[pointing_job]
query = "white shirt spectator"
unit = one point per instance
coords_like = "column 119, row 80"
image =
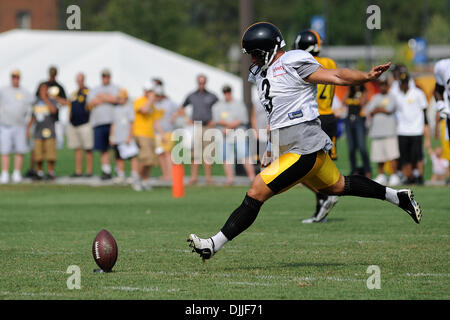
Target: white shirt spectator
column 168, row 108
column 123, row 117
column 103, row 113
column 410, row 111
column 15, row 106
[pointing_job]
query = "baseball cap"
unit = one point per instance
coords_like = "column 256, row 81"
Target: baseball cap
column 398, row 67
column 106, row 72
column 15, row 72
column 148, row 85
column 404, row 76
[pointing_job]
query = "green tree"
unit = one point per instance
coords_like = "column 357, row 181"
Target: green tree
column 438, row 30
column 205, row 30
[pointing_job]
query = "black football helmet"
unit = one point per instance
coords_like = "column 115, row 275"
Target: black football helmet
column 262, row 40
column 308, row 40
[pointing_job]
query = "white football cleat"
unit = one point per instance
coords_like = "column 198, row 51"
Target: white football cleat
column 407, row 203
column 326, row 207
column 204, row 247
column 309, row 220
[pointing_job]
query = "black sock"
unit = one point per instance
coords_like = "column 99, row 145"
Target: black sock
column 242, row 217
column 320, row 196
column 361, row 186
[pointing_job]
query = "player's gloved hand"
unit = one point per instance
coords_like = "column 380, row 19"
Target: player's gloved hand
column 266, row 159
column 443, row 108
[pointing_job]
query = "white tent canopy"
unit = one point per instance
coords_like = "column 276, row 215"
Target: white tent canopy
column 132, row 62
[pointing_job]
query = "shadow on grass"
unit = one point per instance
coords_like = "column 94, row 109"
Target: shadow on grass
column 329, row 220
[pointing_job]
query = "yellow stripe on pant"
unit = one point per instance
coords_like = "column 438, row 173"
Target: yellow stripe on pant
column 445, row 143
column 323, row 173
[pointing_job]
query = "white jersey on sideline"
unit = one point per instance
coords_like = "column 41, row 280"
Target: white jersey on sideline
column 442, row 75
column 409, row 111
column 287, row 98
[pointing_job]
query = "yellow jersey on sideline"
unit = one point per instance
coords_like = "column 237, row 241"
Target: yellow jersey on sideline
column 325, row 92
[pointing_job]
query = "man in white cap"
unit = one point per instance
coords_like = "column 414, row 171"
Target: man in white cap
column 15, row 109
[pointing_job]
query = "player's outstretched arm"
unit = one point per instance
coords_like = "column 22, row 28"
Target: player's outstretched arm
column 344, row 76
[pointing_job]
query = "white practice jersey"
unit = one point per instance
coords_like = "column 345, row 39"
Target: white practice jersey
column 287, row 98
column 442, row 75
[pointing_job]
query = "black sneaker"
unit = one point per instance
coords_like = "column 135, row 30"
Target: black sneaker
column 38, row 176
column 106, row 176
column 419, row 180
column 76, row 175
column 411, row 181
column 50, row 176
column 30, row 174
column 87, row 175
column 407, row 203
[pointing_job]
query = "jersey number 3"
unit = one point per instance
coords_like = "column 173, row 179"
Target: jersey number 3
column 266, row 87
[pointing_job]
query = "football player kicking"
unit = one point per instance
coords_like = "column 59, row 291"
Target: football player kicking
column 309, row 40
column 287, row 87
column 442, row 89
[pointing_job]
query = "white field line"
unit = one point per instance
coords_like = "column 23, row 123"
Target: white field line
column 32, row 294
column 263, row 277
column 132, row 289
column 420, row 274
column 247, row 283
column 46, row 252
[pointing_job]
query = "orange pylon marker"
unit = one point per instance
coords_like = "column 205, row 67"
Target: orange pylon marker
column 178, row 181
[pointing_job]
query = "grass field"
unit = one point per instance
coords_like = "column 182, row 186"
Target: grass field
column 65, row 162
column 46, row 228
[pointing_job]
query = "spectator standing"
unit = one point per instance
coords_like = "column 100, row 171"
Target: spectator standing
column 101, row 101
column 383, row 132
column 230, row 114
column 121, row 138
column 397, row 70
column 57, row 91
column 79, row 132
column 411, row 106
column 202, row 102
column 15, row 110
column 146, row 120
column 167, row 108
column 355, row 126
column 45, row 115
column 52, row 82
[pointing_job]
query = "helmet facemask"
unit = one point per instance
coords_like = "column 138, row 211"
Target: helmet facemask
column 263, row 59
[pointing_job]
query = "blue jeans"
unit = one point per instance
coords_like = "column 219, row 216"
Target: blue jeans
column 356, row 137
